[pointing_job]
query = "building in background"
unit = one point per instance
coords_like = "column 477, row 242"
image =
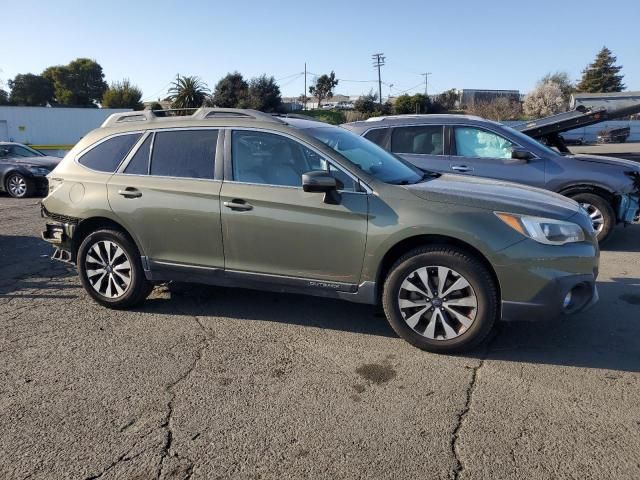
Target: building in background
column 51, row 130
column 467, row 97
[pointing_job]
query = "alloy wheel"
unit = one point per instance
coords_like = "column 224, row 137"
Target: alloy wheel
column 108, row 269
column 597, row 218
column 17, row 186
column 437, row 302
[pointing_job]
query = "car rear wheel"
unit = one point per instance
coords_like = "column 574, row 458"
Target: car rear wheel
column 601, row 213
column 110, row 270
column 19, row 186
column 440, row 299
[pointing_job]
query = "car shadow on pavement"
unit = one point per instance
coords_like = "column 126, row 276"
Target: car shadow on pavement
column 605, row 337
column 624, row 239
column 244, row 304
column 27, row 271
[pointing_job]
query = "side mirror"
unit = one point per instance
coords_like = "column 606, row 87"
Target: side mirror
column 521, row 154
column 318, row 181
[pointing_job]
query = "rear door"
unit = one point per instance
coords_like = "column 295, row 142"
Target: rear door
column 422, row 145
column 271, row 226
column 167, row 194
column 485, row 153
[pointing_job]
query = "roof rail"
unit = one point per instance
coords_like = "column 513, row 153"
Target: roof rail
column 199, row 113
column 206, row 112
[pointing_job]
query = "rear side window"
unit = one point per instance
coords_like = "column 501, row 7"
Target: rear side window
column 184, row 153
column 139, row 164
column 376, row 136
column 418, row 140
column 106, row 156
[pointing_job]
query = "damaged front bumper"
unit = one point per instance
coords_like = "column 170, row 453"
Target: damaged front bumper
column 629, row 209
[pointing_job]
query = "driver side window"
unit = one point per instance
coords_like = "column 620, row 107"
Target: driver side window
column 478, row 143
column 271, row 159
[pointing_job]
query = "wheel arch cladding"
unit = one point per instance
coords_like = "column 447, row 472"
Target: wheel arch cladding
column 92, row 224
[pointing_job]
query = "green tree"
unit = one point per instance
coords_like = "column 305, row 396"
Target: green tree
column 603, row 75
column 230, row 91
column 4, row 97
column 30, row 90
column 188, row 92
column 366, row 103
column 324, row 87
column 263, row 94
column 157, row 109
column 446, row 101
column 123, row 95
column 80, row 83
column 417, row 103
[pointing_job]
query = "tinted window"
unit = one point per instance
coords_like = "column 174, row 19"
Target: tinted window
column 272, row 159
column 17, row 151
column 139, row 164
column 479, row 143
column 420, row 140
column 376, row 136
column 106, row 156
column 184, row 153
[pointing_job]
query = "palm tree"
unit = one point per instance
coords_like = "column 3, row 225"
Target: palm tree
column 188, row 92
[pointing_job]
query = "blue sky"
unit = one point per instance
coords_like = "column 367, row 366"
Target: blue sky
column 465, row 44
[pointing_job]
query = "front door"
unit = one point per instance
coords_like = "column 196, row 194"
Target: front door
column 483, row 153
column 167, row 195
column 271, row 226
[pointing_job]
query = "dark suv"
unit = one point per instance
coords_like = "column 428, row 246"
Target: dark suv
column 607, row 188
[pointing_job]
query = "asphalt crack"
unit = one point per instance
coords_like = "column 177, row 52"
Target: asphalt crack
column 462, row 415
column 167, row 447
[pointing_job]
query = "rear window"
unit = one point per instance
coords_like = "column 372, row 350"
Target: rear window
column 139, row 164
column 106, row 156
column 184, row 153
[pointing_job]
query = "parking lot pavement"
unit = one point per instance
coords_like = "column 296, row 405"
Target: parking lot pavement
column 204, row 382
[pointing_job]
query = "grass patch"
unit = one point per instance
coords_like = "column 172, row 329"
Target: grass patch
column 333, row 117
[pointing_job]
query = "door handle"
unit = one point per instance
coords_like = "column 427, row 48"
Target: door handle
column 238, row 205
column 461, row 168
column 130, row 192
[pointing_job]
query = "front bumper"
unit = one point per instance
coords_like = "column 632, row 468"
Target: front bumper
column 535, row 279
column 629, row 209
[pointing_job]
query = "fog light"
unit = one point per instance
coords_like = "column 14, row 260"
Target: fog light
column 566, row 303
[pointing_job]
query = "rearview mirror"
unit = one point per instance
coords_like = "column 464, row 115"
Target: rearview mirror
column 521, row 154
column 318, row 181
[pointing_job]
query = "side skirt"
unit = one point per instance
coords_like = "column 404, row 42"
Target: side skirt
column 156, row 271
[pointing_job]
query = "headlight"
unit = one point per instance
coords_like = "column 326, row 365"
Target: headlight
column 544, row 230
column 39, row 171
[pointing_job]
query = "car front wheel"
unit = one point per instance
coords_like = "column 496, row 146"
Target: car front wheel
column 602, row 215
column 441, row 299
column 110, row 270
column 18, row 186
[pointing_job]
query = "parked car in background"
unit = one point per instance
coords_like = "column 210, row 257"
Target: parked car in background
column 614, row 135
column 24, row 170
column 607, row 188
column 244, row 199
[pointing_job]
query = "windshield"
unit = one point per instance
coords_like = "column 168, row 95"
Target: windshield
column 367, row 156
column 18, row 151
column 526, row 138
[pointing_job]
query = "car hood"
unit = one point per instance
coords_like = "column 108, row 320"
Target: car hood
column 46, row 162
column 614, row 162
column 497, row 196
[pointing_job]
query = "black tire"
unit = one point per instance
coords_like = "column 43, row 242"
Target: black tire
column 139, row 287
column 29, row 187
column 604, row 206
column 474, row 271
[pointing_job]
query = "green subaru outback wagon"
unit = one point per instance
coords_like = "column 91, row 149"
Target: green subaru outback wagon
column 240, row 198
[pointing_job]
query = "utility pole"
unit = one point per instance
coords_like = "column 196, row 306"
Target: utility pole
column 378, row 61
column 426, row 82
column 304, row 94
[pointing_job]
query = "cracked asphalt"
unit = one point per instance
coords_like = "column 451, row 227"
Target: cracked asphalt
column 204, row 382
